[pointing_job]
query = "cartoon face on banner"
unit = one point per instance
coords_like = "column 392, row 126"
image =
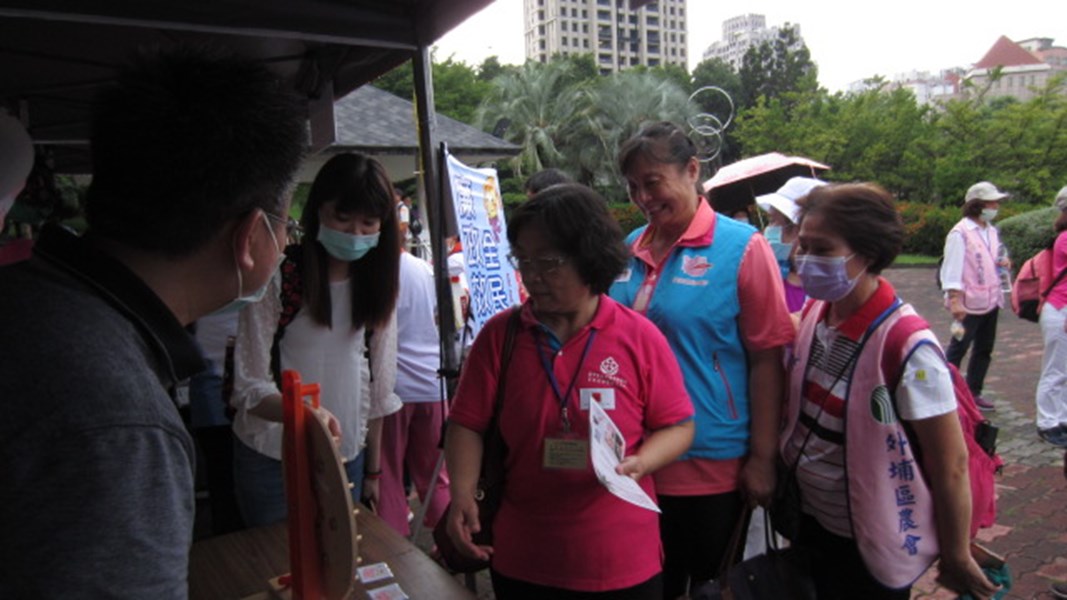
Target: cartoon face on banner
column 479, row 211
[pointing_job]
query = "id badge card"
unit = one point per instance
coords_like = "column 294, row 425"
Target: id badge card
column 566, row 451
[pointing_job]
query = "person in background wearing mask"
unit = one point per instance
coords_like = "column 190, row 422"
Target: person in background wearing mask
column 96, row 465
column 972, row 286
column 876, row 509
column 781, row 234
column 16, row 148
column 334, row 296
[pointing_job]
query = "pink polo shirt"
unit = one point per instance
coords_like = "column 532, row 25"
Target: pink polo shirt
column 561, row 527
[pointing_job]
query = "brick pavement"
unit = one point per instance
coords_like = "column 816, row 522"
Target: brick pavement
column 1031, row 528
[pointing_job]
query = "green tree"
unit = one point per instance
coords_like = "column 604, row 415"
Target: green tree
column 722, row 106
column 541, row 106
column 618, row 106
column 1021, row 146
column 491, row 68
column 457, row 88
column 775, row 67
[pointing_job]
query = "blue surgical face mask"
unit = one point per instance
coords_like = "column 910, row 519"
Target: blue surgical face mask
column 988, row 214
column 346, row 246
column 825, row 277
column 773, row 233
column 256, row 295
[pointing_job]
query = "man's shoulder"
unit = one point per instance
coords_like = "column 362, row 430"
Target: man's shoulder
column 75, row 360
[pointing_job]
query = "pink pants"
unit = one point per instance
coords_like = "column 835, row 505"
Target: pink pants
column 410, row 439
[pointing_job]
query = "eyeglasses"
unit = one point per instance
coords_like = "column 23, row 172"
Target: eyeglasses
column 292, row 226
column 544, row 265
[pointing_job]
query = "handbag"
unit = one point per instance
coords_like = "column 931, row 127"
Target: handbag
column 779, row 573
column 490, row 488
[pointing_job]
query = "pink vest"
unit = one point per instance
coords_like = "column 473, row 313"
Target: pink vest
column 981, row 283
column 889, row 503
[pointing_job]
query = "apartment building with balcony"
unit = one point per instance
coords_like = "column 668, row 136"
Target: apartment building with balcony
column 620, row 36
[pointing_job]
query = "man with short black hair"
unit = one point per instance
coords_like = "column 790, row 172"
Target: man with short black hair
column 193, row 155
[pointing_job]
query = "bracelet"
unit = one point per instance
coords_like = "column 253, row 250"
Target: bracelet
column 372, row 475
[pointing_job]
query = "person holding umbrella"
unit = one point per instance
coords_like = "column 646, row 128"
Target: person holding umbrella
column 713, row 288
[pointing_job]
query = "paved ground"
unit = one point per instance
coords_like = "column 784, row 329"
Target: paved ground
column 1031, row 529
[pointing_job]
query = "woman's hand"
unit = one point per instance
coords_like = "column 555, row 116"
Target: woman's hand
column 372, row 493
column 965, row 576
column 331, row 422
column 462, row 524
column 758, row 478
column 632, row 466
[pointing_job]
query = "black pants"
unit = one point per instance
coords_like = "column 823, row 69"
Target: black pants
column 695, row 531
column 840, row 573
column 506, row 588
column 982, row 330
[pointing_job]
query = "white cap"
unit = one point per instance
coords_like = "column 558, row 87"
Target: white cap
column 785, row 199
column 1061, row 199
column 16, row 154
column 985, row 191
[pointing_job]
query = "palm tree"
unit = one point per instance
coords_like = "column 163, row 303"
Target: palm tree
column 539, row 105
column 619, row 105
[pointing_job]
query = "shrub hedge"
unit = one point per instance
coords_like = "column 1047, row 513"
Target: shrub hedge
column 1028, row 233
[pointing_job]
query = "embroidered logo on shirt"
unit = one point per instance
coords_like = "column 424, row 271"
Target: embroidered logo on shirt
column 609, row 366
column 695, row 266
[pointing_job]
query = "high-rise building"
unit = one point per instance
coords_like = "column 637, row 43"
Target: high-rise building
column 650, row 34
column 743, row 32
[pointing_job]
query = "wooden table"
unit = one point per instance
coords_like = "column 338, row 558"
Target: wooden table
column 238, row 565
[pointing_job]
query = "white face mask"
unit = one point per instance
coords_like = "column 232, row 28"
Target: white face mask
column 988, row 214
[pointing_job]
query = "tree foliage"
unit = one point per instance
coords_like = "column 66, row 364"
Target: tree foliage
column 774, row 68
column 458, row 89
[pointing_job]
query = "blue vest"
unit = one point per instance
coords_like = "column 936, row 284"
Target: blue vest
column 695, row 305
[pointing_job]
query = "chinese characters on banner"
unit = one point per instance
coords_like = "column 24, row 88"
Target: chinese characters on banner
column 479, row 212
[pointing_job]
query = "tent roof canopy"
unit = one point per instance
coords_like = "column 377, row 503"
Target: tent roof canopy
column 56, row 54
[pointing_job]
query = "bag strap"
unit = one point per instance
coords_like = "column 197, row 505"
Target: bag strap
column 841, row 373
column 493, row 448
column 734, row 550
column 1048, row 290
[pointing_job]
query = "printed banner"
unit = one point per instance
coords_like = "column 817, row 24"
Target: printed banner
column 479, row 208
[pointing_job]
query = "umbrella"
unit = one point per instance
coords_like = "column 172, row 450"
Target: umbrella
column 736, row 185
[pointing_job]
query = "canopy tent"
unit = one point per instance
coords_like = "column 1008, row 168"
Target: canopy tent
column 56, row 55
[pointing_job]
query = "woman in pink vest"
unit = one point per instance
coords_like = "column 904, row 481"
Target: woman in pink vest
column 971, row 282
column 875, row 461
column 1052, row 387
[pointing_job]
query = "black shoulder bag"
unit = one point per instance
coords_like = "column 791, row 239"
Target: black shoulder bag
column 490, row 487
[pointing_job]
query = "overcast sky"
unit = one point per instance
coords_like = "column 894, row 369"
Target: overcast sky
column 848, row 40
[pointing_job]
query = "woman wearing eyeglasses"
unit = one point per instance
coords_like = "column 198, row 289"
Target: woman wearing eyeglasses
column 712, row 286
column 329, row 313
column 559, row 532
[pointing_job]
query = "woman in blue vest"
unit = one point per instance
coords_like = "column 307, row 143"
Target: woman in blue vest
column 714, row 289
